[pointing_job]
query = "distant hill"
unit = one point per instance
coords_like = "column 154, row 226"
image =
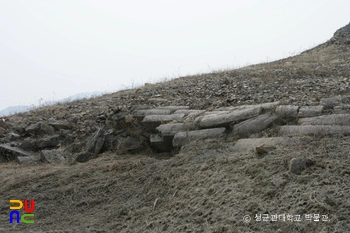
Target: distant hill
column 23, row 108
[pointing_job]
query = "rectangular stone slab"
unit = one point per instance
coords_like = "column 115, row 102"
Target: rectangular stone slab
column 334, row 119
column 212, row 121
column 287, row 110
column 148, row 112
column 153, row 121
column 314, row 130
column 182, row 138
column 254, row 125
column 172, row 129
column 310, row 111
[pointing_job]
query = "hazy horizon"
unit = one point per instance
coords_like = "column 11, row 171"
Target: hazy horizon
column 55, row 49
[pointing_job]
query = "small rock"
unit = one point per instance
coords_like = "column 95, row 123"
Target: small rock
column 52, row 156
column 264, row 149
column 298, row 165
column 12, row 136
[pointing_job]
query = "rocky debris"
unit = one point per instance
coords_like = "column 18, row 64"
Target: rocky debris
column 48, row 142
column 12, row 136
column 96, row 141
column 254, row 125
column 153, row 121
column 314, row 130
column 84, row 156
column 331, row 102
column 52, row 156
column 182, row 138
column 264, row 149
column 3, row 124
column 28, row 144
column 287, row 110
column 39, row 128
column 298, row 165
column 212, row 121
column 2, row 132
column 334, row 119
column 147, row 112
column 8, row 153
column 58, row 125
column 310, row 111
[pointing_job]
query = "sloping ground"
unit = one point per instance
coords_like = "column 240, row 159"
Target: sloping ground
column 210, row 185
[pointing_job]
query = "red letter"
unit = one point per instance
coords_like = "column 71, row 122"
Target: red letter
column 26, row 206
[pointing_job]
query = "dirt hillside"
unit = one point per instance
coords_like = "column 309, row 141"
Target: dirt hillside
column 268, row 165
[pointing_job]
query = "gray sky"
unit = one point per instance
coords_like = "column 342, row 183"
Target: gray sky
column 53, row 49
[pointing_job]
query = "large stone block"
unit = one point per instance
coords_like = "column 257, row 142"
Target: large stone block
column 181, row 138
column 334, row 119
column 310, row 111
column 212, row 121
column 287, row 110
column 314, row 130
column 40, row 128
column 52, row 156
column 254, row 125
column 8, row 153
column 153, row 121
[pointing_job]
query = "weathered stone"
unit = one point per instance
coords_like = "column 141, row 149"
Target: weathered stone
column 249, row 144
column 40, row 128
column 298, row 165
column 173, row 108
column 58, row 125
column 254, row 125
column 314, row 130
column 48, row 142
column 342, row 109
column 190, row 113
column 148, row 112
column 330, row 102
column 28, row 144
column 172, row 129
column 2, row 132
column 96, row 141
column 160, row 144
column 310, row 111
column 154, row 100
column 12, row 136
column 334, row 119
column 119, row 116
column 287, row 110
column 52, row 156
column 85, row 156
column 153, row 121
column 3, row 124
column 212, row 121
column 181, row 138
column 8, row 153
column 264, row 149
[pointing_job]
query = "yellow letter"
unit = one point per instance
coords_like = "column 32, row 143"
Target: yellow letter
column 16, row 207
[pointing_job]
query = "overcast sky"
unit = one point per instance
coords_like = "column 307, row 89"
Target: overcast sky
column 53, row 49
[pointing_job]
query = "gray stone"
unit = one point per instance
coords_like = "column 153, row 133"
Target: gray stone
column 148, row 112
column 28, row 144
column 174, row 108
column 12, row 136
column 85, row 156
column 8, row 153
column 153, row 121
column 40, row 128
column 25, row 159
column 172, row 129
column 287, row 110
column 52, row 156
column 96, row 141
column 190, row 113
column 160, row 144
column 58, row 125
column 212, row 121
column 314, row 130
column 48, row 142
column 331, row 102
column 298, row 165
column 181, row 138
column 254, row 125
column 334, row 119
column 310, row 111
column 2, row 132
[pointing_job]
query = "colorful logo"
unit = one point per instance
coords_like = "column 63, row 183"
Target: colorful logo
column 27, row 217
